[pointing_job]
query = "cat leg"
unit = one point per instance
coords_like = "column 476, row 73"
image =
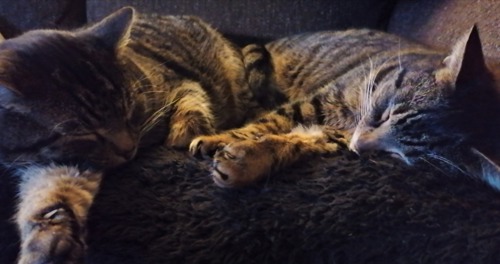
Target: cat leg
column 192, row 115
column 282, row 120
column 245, row 162
column 52, row 214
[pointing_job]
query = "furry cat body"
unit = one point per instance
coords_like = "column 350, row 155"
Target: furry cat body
column 91, row 95
column 383, row 92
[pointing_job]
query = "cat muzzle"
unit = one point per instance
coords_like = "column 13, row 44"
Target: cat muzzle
column 376, row 139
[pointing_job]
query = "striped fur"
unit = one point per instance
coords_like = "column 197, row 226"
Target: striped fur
column 90, row 97
column 52, row 214
column 381, row 91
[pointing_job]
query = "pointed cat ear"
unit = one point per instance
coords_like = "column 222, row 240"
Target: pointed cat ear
column 113, row 30
column 466, row 62
column 1, row 38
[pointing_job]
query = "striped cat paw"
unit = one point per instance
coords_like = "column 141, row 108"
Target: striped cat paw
column 52, row 236
column 245, row 162
column 204, row 147
column 241, row 163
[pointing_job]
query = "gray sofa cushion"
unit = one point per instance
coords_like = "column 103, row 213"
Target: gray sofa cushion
column 19, row 16
column 441, row 23
column 263, row 19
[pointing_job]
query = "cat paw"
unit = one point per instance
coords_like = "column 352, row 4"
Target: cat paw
column 53, row 236
column 205, row 147
column 241, row 163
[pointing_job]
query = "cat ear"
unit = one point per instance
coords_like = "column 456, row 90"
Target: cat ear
column 1, row 38
column 113, row 30
column 466, row 62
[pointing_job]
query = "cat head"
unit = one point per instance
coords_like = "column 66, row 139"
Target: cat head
column 63, row 97
column 427, row 114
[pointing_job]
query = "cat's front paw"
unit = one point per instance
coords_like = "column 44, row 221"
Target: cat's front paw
column 241, row 163
column 206, row 146
column 52, row 236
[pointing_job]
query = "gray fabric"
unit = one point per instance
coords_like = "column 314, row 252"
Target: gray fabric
column 164, row 208
column 441, row 23
column 19, row 16
column 262, row 18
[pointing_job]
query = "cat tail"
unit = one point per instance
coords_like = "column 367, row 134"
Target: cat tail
column 259, row 72
column 485, row 169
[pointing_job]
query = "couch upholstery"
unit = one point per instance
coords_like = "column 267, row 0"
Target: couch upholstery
column 439, row 23
column 263, row 19
column 19, row 16
column 436, row 23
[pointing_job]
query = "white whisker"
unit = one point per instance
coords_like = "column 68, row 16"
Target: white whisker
column 155, row 118
column 446, row 161
column 399, row 56
column 370, row 85
column 433, row 165
column 57, row 126
column 149, row 74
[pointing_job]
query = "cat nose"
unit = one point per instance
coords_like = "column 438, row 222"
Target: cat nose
column 360, row 145
column 128, row 154
column 125, row 144
column 364, row 141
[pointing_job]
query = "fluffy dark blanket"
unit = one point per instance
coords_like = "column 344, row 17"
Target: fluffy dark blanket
column 163, row 208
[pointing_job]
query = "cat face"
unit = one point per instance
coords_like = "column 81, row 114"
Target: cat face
column 429, row 113
column 410, row 120
column 63, row 97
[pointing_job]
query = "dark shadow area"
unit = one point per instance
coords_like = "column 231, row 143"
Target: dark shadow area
column 9, row 240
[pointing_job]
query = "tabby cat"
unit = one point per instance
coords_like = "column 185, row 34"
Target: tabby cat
column 92, row 96
column 88, row 97
column 380, row 91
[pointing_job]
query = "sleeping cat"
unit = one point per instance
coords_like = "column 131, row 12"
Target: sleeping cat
column 90, row 97
column 380, row 91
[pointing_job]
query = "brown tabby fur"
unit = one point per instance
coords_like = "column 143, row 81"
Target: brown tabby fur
column 52, row 213
column 382, row 92
column 90, row 97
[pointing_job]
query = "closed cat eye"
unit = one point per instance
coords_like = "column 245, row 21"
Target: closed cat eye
column 380, row 118
column 386, row 114
column 228, row 155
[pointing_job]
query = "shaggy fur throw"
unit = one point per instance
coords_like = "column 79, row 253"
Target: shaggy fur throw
column 163, row 208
